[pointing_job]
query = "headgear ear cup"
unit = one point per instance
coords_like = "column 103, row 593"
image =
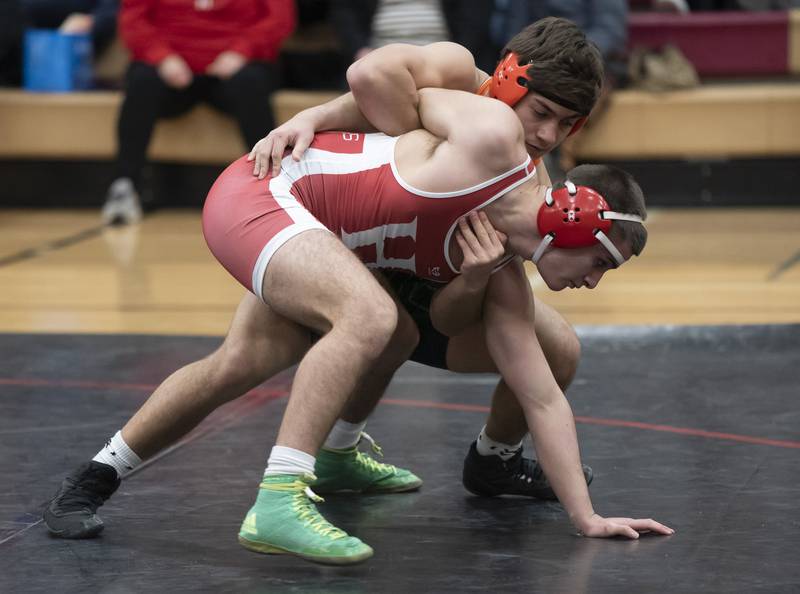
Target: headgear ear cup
column 509, row 85
column 577, row 216
column 509, row 81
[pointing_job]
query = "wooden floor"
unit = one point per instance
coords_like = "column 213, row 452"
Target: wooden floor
column 60, row 273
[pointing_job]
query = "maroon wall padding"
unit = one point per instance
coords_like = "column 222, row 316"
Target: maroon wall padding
column 719, row 43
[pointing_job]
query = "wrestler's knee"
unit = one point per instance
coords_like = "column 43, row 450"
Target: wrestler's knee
column 405, row 338
column 371, row 322
column 239, row 364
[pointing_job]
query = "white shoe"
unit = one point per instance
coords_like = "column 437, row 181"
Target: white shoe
column 122, row 205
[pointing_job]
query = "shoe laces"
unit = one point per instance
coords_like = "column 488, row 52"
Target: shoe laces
column 303, row 505
column 527, row 470
column 371, row 463
column 88, row 489
column 373, row 444
column 80, row 497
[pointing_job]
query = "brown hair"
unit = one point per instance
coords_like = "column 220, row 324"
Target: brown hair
column 565, row 66
column 622, row 193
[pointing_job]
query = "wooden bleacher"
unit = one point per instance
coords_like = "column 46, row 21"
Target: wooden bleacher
column 715, row 120
column 83, row 126
column 720, row 120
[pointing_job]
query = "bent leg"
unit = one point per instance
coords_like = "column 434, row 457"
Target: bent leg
column 509, row 472
column 403, row 342
column 259, row 344
column 246, row 96
column 340, row 466
column 316, row 281
column 467, row 353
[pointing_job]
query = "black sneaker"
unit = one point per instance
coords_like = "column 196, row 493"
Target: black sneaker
column 72, row 513
column 488, row 476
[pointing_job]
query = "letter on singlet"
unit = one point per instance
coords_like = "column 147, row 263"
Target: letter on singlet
column 376, row 236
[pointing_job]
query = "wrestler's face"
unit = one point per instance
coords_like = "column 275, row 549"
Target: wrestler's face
column 579, row 267
column 546, row 123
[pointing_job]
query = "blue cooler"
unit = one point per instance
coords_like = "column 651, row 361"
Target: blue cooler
column 56, row 62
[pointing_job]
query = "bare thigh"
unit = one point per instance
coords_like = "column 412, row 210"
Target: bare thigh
column 261, row 342
column 315, row 281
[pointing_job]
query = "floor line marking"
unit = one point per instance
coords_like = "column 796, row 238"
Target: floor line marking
column 18, row 532
column 93, row 385
column 784, row 266
column 51, row 246
column 781, row 443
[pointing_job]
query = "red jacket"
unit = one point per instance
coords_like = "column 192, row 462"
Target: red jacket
column 199, row 30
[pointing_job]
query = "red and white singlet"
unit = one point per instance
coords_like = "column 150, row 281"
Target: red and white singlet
column 347, row 183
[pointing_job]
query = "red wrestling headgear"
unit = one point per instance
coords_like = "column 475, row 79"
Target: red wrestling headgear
column 577, row 216
column 509, row 84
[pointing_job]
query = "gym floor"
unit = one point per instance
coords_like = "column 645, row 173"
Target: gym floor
column 684, row 402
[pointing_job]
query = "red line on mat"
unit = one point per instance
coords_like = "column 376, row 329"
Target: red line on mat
column 271, row 394
column 781, row 443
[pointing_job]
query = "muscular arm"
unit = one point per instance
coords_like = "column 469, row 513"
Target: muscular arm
column 385, row 82
column 457, row 306
column 341, row 113
column 481, row 137
column 511, row 339
column 384, row 87
column 512, row 342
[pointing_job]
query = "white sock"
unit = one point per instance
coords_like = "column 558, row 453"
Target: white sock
column 116, row 453
column 283, row 460
column 486, row 446
column 344, row 435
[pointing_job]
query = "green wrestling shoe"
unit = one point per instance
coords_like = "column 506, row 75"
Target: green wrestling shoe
column 284, row 520
column 350, row 470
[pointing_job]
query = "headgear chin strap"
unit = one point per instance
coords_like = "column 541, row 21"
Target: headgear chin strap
column 509, row 84
column 577, row 216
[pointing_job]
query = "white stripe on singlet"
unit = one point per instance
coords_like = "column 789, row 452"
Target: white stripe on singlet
column 497, row 196
column 378, row 151
column 409, row 188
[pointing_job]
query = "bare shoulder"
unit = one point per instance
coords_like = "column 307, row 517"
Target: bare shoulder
column 494, row 135
column 431, row 164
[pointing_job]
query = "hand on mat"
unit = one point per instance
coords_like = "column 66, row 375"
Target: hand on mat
column 297, row 133
column 483, row 248
column 600, row 527
column 174, row 71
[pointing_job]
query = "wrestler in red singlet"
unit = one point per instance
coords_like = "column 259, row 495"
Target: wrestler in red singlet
column 347, row 183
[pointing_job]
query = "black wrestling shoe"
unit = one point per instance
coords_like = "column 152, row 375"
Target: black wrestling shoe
column 72, row 513
column 488, row 476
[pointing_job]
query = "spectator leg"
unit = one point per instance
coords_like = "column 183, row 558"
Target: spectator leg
column 246, row 97
column 147, row 98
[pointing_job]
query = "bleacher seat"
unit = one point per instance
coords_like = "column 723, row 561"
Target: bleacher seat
column 723, row 43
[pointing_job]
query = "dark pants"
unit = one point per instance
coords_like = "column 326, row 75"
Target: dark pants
column 245, row 96
column 415, row 295
column 11, row 26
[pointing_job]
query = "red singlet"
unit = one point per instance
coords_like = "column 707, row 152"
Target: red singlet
column 347, row 183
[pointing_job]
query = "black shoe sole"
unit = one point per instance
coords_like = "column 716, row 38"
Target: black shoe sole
column 75, row 533
column 477, row 488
